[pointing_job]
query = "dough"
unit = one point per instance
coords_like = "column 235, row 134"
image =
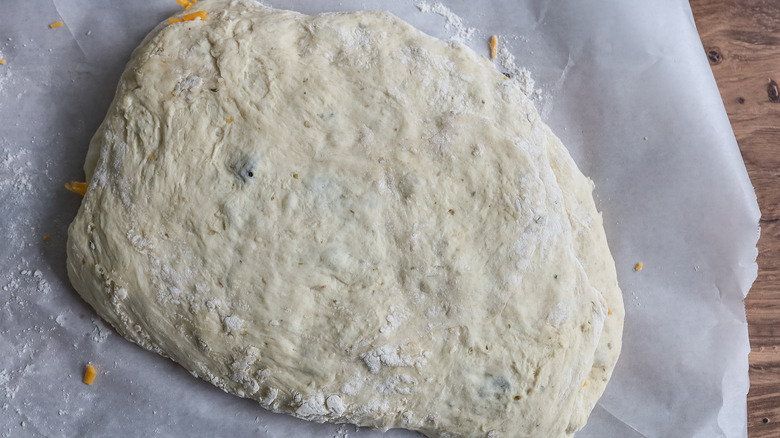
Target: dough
column 349, row 221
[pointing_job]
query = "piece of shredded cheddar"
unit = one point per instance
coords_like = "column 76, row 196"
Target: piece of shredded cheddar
column 46, row 238
column 56, row 25
column 186, row 4
column 190, row 17
column 638, row 266
column 89, row 375
column 585, row 384
column 609, row 311
column 2, row 61
column 493, row 47
column 229, row 120
column 77, row 187
column 149, row 158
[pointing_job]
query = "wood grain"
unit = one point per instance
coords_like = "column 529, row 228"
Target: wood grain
column 742, row 41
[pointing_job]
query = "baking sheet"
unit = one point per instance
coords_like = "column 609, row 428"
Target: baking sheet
column 626, row 86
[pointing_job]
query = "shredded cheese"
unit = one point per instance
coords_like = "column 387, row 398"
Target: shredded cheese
column 149, row 158
column 229, row 120
column 2, row 61
column 190, row 17
column 585, row 384
column 55, row 25
column 493, row 47
column 46, row 238
column 609, row 311
column 77, row 187
column 638, row 266
column 89, row 375
column 186, row 4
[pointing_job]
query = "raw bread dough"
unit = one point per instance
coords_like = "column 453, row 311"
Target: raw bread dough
column 349, row 221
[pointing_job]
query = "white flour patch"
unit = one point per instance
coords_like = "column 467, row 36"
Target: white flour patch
column 389, row 356
column 5, row 385
column 353, row 386
column 27, row 280
column 394, row 319
column 318, row 406
column 232, row 324
column 520, row 76
column 15, row 174
column 342, row 431
column 452, row 20
column 399, row 384
column 100, row 331
column 42, row 284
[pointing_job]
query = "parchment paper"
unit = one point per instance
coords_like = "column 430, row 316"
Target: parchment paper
column 626, row 86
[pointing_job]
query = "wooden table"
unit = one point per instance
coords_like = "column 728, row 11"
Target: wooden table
column 742, row 41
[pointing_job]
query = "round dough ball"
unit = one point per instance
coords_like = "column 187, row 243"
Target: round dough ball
column 349, row 221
